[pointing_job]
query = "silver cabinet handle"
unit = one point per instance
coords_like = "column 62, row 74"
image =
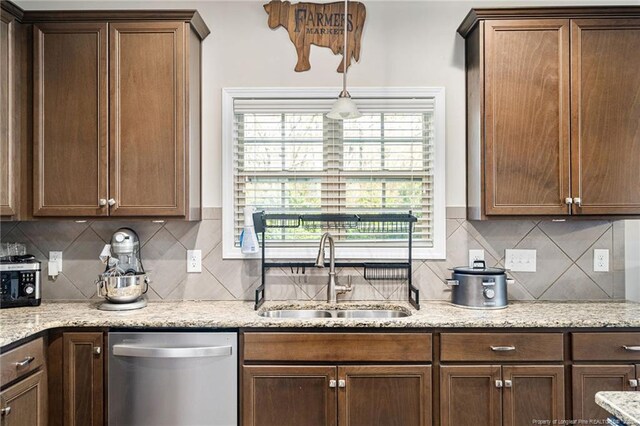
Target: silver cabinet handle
column 332, row 383
column 453, row 282
column 578, row 201
column 151, row 352
column 97, row 350
column 28, row 360
column 568, row 201
column 633, row 383
column 111, row 201
column 102, row 202
column 631, row 348
column 342, row 383
column 508, row 383
column 5, row 411
column 498, row 383
column 503, row 348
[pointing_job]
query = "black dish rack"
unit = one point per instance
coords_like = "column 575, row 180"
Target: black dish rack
column 397, row 223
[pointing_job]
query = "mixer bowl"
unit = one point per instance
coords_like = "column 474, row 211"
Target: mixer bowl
column 122, row 288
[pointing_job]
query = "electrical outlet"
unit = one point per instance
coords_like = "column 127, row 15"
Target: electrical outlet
column 601, row 260
column 475, row 255
column 56, row 257
column 520, row 260
column 194, row 261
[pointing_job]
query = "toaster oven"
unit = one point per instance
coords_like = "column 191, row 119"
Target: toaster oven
column 20, row 281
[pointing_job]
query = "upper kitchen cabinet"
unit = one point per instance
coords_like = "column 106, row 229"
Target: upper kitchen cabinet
column 13, row 79
column 552, row 111
column 117, row 113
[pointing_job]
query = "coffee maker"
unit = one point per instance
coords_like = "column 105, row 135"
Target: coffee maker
column 124, row 281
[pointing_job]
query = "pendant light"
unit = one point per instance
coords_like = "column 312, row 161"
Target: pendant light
column 344, row 108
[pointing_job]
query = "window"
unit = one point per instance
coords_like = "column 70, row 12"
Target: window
column 282, row 154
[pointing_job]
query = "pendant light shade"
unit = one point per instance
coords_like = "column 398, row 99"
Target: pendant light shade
column 344, row 108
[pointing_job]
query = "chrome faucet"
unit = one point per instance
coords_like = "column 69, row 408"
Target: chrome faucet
column 332, row 289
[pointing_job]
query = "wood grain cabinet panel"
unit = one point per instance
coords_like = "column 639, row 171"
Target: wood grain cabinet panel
column 8, row 146
column 526, row 116
column 469, row 396
column 587, row 380
column 605, row 92
column 552, row 112
column 289, row 396
column 83, row 381
column 532, row 393
column 385, row 395
column 25, row 403
column 148, row 111
column 70, row 119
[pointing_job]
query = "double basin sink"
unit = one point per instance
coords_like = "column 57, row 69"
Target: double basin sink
column 338, row 313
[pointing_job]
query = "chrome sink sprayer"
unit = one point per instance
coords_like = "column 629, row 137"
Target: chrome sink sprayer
column 332, row 289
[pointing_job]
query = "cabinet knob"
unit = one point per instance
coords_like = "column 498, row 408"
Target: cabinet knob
column 498, row 383
column 568, row 201
column 5, row 411
column 342, row 383
column 102, row 202
column 97, row 350
column 508, row 383
column 111, row 201
column 578, row 201
column 633, row 383
column 332, row 383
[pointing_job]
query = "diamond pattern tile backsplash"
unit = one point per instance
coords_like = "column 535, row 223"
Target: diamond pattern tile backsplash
column 564, row 261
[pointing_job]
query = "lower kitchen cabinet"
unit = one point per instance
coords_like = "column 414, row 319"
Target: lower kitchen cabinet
column 289, row 395
column 24, row 403
column 590, row 379
column 346, row 395
column 506, row 395
column 76, row 385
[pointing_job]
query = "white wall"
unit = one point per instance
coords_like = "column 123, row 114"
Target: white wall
column 404, row 44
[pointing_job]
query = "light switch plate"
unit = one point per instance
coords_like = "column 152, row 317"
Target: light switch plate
column 475, row 255
column 194, row 261
column 601, row 260
column 520, row 260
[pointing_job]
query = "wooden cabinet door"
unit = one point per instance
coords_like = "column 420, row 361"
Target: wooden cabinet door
column 147, row 118
column 526, row 117
column 289, row 396
column 469, row 395
column 8, row 145
column 384, row 395
column 605, row 135
column 70, row 119
column 83, row 379
column 24, row 404
column 590, row 379
column 532, row 393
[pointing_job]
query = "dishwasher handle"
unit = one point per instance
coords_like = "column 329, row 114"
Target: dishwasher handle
column 139, row 351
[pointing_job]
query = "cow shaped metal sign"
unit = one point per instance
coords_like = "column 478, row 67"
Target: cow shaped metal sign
column 321, row 25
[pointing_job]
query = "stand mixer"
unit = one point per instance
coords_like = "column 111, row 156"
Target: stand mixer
column 124, row 281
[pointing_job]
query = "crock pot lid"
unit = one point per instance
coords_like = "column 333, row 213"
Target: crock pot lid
column 479, row 268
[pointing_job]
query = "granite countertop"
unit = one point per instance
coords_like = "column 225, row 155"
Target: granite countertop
column 624, row 405
column 19, row 323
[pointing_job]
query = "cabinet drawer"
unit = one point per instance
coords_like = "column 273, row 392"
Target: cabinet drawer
column 22, row 360
column 501, row 346
column 337, row 347
column 606, row 346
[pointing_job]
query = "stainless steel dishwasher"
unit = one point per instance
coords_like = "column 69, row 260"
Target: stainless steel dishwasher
column 173, row 379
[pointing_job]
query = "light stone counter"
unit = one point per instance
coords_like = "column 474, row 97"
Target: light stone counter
column 19, row 323
column 623, row 405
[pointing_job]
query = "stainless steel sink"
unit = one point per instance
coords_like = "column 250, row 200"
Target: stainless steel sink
column 296, row 313
column 371, row 313
column 340, row 313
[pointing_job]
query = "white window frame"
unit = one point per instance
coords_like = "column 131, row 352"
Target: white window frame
column 438, row 251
